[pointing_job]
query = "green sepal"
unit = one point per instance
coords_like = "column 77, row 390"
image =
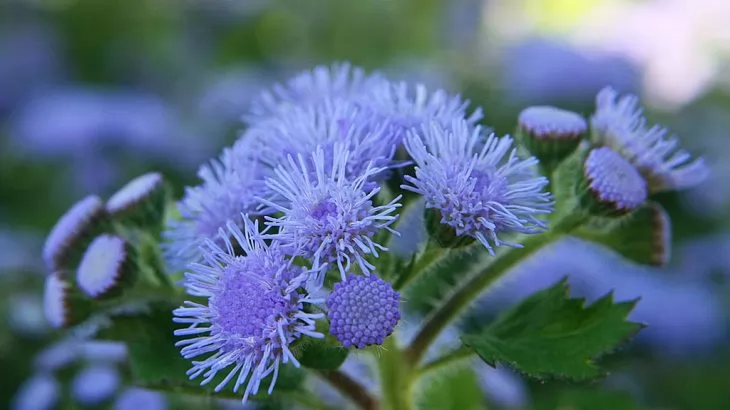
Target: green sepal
column 644, row 236
column 146, row 211
column 549, row 151
column 321, row 354
column 443, row 234
column 549, row 335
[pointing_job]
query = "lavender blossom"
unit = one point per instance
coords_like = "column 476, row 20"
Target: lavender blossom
column 404, row 108
column 255, row 310
column 363, row 311
column 619, row 123
column 332, row 121
column 340, row 80
column 230, row 185
column 477, row 188
column 329, row 217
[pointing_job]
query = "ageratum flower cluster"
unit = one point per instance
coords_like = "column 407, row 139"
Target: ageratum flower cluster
column 303, row 204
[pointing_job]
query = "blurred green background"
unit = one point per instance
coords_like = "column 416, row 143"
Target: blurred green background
column 95, row 92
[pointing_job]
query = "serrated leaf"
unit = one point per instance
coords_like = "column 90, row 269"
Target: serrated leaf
column 643, row 236
column 549, row 335
column 156, row 363
column 454, row 388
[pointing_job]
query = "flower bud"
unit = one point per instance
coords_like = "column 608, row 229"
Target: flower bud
column 106, row 267
column 550, row 133
column 62, row 305
column 363, row 310
column 610, row 185
column 73, row 232
column 141, row 202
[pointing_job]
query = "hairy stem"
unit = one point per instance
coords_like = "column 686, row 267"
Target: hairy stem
column 470, row 289
column 461, row 353
column 396, row 377
column 432, row 254
column 350, row 388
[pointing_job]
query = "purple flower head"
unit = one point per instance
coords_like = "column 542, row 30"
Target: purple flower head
column 103, row 266
column 329, row 217
column 229, row 187
column 363, row 311
column 340, row 80
column 541, row 121
column 255, row 310
column 71, row 230
column 613, row 180
column 479, row 185
column 619, row 123
column 405, row 108
column 333, row 121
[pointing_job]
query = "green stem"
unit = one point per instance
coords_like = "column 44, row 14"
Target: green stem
column 474, row 286
column 431, row 254
column 461, row 353
column 396, row 377
column 350, row 388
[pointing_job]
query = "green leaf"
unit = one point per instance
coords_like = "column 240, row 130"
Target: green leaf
column 550, row 335
column 156, row 363
column 642, row 236
column 581, row 397
column 454, row 388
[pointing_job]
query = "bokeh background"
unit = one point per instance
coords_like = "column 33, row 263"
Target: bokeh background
column 95, row 92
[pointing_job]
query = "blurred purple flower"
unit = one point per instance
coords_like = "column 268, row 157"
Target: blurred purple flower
column 41, row 392
column 541, row 70
column 29, row 63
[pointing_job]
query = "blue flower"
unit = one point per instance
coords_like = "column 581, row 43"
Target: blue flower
column 229, row 187
column 619, row 123
column 405, row 108
column 255, row 310
column 340, row 80
column 330, row 122
column 479, row 185
column 329, row 217
column 363, row 310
